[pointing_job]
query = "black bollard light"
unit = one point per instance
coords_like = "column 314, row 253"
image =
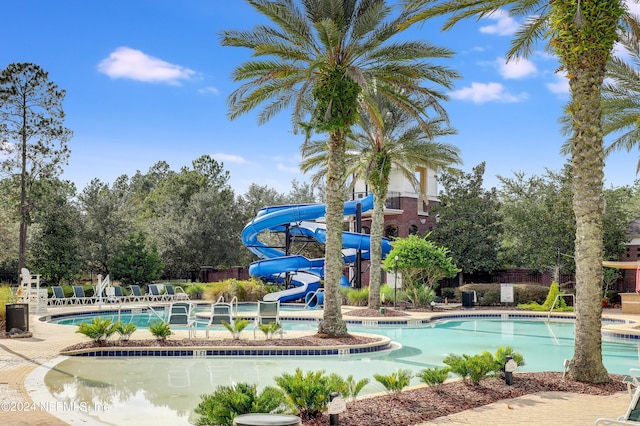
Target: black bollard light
column 334, row 419
column 509, row 367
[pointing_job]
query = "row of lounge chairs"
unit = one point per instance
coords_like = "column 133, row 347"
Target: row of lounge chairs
column 116, row 294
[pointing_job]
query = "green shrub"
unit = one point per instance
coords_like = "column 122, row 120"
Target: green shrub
column 99, row 329
column 553, row 292
column 5, row 297
column 420, row 296
column 449, row 294
column 160, row 330
column 125, row 330
column 396, row 381
column 309, row 392
column 238, row 325
column 246, row 291
column 500, row 358
column 270, row 329
column 354, row 387
column 195, row 291
column 433, row 376
column 476, row 367
column 228, row 402
column 489, row 294
column 355, row 296
column 387, row 294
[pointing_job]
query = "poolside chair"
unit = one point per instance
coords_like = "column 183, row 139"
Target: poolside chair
column 79, row 297
column 631, row 417
column 176, row 293
column 58, row 298
column 220, row 311
column 181, row 314
column 268, row 312
column 154, row 294
column 119, row 295
column 136, row 294
column 632, row 380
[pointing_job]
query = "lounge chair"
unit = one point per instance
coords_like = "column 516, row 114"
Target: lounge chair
column 631, row 417
column 632, row 380
column 136, row 294
column 79, row 297
column 220, row 311
column 268, row 312
column 181, row 314
column 58, row 298
column 154, row 294
column 176, row 293
column 119, row 295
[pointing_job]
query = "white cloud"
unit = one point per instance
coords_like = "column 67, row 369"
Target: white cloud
column 505, row 25
column 209, row 90
column 229, row 158
column 282, row 168
column 481, row 93
column 133, row 64
column 560, row 85
column 516, row 68
column 633, row 7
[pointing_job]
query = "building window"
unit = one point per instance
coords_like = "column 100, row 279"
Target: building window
column 413, row 230
column 391, row 231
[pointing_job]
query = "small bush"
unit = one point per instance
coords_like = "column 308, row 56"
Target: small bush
column 5, row 297
column 125, row 330
column 448, row 293
column 476, row 367
column 228, row 402
column 355, row 296
column 238, row 325
column 354, row 387
column 270, row 329
column 309, row 392
column 99, row 329
column 553, row 292
column 160, row 330
column 246, row 291
column 420, row 296
column 396, row 381
column 500, row 358
column 433, row 377
column 195, row 291
column 489, row 294
column 387, row 294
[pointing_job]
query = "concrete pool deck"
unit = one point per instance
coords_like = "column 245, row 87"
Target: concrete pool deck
column 19, row 357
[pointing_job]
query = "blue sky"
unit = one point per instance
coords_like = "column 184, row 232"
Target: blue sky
column 147, row 80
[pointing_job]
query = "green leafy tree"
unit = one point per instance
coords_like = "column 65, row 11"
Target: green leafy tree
column 135, row 263
column 322, row 58
column 106, row 221
column 538, row 221
column 374, row 150
column 422, row 264
column 582, row 36
column 33, row 140
column 469, row 222
column 56, row 245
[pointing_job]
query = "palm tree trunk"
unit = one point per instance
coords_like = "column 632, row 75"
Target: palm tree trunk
column 333, row 324
column 588, row 207
column 377, row 229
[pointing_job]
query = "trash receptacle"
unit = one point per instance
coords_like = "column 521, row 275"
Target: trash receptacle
column 267, row 420
column 17, row 317
column 467, row 299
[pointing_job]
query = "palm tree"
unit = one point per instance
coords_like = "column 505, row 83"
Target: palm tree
column 373, row 150
column 582, row 35
column 317, row 57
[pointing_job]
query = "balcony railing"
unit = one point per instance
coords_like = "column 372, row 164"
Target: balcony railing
column 391, row 202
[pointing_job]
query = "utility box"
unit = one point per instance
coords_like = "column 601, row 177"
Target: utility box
column 468, row 299
column 17, row 316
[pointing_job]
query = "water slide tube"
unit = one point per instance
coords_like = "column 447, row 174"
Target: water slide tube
column 305, row 273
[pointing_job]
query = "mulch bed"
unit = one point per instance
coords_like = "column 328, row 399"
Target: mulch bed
column 425, row 404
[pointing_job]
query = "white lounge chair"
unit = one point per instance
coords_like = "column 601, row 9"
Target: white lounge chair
column 268, row 312
column 154, row 294
column 58, row 298
column 176, row 293
column 136, row 294
column 631, row 417
column 181, row 314
column 220, row 311
column 79, row 297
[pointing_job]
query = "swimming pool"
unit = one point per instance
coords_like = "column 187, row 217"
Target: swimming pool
column 152, row 390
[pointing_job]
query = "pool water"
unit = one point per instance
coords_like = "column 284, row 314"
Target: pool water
column 152, row 390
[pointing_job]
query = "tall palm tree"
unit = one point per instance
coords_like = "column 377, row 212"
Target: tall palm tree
column 316, row 57
column 373, row 150
column 581, row 34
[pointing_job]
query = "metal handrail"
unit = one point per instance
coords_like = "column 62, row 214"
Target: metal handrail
column 558, row 296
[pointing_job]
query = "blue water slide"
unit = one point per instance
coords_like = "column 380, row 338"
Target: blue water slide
column 305, row 273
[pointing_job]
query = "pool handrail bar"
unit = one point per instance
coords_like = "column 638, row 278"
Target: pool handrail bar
column 149, row 307
column 558, row 296
column 313, row 294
